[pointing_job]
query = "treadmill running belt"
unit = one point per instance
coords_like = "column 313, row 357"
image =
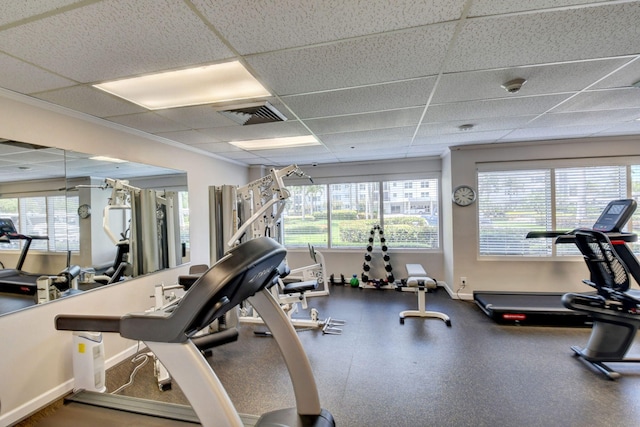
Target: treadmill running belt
column 528, row 307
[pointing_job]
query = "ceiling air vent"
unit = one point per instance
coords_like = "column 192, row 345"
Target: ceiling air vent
column 252, row 114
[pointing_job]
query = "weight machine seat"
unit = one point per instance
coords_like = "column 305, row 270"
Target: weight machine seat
column 300, row 287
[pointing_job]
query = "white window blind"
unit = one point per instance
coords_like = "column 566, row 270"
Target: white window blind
column 581, row 195
column 510, row 204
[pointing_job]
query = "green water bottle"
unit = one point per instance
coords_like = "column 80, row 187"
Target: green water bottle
column 354, row 281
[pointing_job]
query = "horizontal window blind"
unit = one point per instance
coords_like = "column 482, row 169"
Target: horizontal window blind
column 581, row 196
column 510, row 204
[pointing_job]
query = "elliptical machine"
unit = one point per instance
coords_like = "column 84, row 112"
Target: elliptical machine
column 615, row 308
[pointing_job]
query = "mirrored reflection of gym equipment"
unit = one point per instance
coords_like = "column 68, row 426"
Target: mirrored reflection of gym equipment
column 252, row 211
column 153, row 245
column 144, row 245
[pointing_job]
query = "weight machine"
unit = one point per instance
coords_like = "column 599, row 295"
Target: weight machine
column 252, row 211
column 152, row 238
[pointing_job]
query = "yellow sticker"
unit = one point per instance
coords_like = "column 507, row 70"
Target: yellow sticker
column 81, row 347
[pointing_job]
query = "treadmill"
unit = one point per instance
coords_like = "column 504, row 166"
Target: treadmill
column 546, row 307
column 14, row 280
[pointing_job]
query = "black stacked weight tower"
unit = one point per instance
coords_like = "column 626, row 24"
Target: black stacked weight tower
column 366, row 267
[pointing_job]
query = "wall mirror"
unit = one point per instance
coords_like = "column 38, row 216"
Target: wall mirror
column 84, row 222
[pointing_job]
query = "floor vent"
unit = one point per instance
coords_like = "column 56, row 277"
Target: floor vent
column 252, row 114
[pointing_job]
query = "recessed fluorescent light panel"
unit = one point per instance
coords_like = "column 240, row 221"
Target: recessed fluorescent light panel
column 228, row 81
column 107, row 159
column 273, row 143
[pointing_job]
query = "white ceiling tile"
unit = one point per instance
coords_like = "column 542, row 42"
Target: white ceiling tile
column 374, row 59
column 541, row 80
column 372, row 145
column 585, row 118
column 18, row 10
column 606, row 99
column 355, row 73
column 25, row 78
column 604, row 31
column 90, row 100
column 244, row 156
column 219, row 147
column 496, row 7
column 107, row 40
column 402, row 135
column 473, row 110
column 197, row 117
column 148, row 122
column 362, row 155
column 259, row 131
column 367, row 121
column 292, row 151
column 531, row 134
column 479, row 125
column 461, row 137
column 302, row 160
column 311, row 21
column 189, row 137
column 426, row 150
column 409, row 93
column 627, row 128
column 625, row 77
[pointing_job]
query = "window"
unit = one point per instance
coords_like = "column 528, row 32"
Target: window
column 409, row 218
column 352, row 219
column 51, row 216
column 411, row 221
column 511, row 203
column 183, row 209
column 582, row 194
column 304, row 217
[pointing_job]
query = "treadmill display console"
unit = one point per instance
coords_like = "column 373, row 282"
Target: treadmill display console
column 7, row 227
column 615, row 216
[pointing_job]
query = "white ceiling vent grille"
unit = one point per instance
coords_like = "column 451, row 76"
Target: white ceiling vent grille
column 251, row 114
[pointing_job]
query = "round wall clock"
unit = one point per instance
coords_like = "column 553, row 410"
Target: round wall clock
column 84, row 211
column 463, row 195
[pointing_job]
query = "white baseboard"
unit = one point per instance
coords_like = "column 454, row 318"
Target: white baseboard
column 39, row 402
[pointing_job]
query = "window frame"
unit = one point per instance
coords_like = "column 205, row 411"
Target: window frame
column 553, row 165
column 380, row 181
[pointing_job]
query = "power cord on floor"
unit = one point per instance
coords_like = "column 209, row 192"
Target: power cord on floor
column 139, row 356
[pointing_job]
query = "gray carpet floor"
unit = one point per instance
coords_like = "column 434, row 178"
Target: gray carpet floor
column 422, row 373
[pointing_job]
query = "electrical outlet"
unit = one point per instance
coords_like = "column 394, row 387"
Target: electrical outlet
column 463, row 281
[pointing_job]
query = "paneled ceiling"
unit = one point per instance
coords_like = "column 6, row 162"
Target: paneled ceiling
column 371, row 79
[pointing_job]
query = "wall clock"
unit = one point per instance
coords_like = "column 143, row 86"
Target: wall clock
column 84, row 211
column 463, row 195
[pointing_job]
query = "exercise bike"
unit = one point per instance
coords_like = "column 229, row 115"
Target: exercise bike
column 615, row 309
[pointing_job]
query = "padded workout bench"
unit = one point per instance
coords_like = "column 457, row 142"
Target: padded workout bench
column 420, row 283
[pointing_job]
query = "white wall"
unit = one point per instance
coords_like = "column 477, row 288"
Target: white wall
column 36, row 359
column 537, row 275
